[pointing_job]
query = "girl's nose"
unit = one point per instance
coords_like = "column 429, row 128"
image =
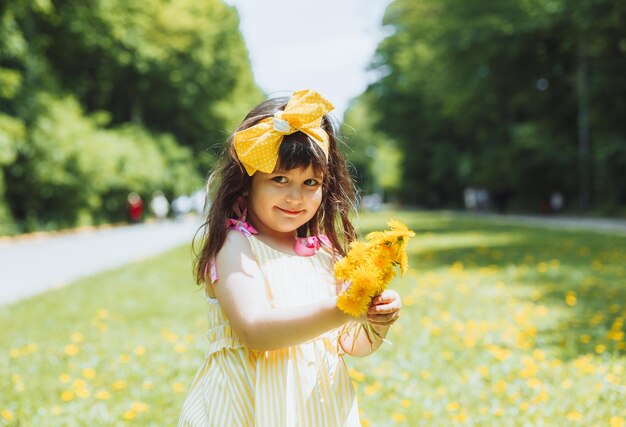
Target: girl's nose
column 294, row 196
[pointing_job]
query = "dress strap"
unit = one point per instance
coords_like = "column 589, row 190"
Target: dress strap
column 248, row 231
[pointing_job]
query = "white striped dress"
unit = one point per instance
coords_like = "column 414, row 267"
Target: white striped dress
column 303, row 385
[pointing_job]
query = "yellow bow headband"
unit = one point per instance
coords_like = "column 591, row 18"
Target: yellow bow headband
column 257, row 147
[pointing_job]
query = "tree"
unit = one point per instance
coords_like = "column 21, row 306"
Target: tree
column 487, row 93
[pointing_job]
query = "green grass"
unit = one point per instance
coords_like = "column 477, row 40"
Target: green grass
column 501, row 325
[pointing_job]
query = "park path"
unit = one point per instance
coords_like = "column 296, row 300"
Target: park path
column 31, row 266
column 603, row 225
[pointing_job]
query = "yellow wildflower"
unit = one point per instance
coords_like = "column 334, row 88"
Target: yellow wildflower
column 7, row 415
column 368, row 266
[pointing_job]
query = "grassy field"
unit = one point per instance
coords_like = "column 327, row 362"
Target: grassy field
column 501, row 326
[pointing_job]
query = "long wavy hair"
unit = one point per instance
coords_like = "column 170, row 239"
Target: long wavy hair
column 229, row 180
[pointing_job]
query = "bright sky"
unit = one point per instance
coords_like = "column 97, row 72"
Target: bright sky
column 324, row 45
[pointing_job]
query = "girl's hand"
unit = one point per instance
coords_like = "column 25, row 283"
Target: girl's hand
column 384, row 309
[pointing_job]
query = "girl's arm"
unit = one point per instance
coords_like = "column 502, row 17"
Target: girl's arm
column 383, row 312
column 242, row 295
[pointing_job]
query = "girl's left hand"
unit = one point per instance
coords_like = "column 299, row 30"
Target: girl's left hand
column 385, row 308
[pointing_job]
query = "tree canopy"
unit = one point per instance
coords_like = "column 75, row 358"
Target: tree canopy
column 506, row 96
column 101, row 98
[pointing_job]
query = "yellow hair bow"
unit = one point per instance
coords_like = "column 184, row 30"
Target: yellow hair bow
column 257, row 147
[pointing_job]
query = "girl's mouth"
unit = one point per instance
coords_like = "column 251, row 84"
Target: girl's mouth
column 289, row 212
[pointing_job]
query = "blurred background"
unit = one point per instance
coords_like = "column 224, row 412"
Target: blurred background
column 514, row 106
column 113, row 112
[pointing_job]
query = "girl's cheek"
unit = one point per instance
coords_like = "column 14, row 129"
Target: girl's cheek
column 317, row 197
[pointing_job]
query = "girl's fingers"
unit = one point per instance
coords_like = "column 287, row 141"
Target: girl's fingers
column 386, row 297
column 384, row 308
column 377, row 318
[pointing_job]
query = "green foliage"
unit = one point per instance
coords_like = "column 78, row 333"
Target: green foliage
column 73, row 169
column 101, row 98
column 374, row 156
column 489, row 93
column 172, row 66
column 12, row 133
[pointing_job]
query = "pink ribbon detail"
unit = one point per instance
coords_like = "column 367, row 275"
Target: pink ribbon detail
column 307, row 246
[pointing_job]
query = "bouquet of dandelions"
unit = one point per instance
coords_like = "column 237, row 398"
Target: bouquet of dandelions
column 368, row 268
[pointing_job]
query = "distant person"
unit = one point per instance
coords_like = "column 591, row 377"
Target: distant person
column 181, row 206
column 199, row 202
column 469, row 198
column 159, row 205
column 556, row 201
column 135, row 208
column 276, row 344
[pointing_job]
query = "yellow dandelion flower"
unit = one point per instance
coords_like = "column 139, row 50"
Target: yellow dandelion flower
column 617, row 422
column 570, row 298
column 102, row 314
column 7, row 415
column 358, row 250
column 130, row 414
column 397, row 226
column 372, row 389
column 356, row 375
column 103, row 395
column 71, row 349
column 79, row 383
column 67, row 395
column 140, row 407
column 369, row 266
column 573, row 416
column 376, row 236
column 178, row 387
column 381, row 258
column 31, row 348
column 453, row 406
column 140, row 350
column 404, row 263
column 387, row 276
column 460, row 417
column 367, row 279
column 397, row 417
column 118, row 385
column 83, row 393
column 343, row 269
column 89, row 373
column 350, row 305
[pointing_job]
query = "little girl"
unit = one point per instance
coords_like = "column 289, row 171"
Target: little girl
column 281, row 197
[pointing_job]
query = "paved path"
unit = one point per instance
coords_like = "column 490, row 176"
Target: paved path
column 611, row 226
column 31, row 266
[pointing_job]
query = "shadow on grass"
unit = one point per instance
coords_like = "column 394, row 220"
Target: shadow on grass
column 579, row 274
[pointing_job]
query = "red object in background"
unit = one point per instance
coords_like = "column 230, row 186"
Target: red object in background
column 135, row 207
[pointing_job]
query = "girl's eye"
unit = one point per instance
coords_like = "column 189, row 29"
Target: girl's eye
column 280, row 179
column 311, row 182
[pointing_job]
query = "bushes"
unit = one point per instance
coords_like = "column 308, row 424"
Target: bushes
column 72, row 171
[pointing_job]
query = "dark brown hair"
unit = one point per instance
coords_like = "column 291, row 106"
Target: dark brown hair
column 229, row 180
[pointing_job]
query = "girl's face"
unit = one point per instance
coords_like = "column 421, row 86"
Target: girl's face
column 282, row 201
